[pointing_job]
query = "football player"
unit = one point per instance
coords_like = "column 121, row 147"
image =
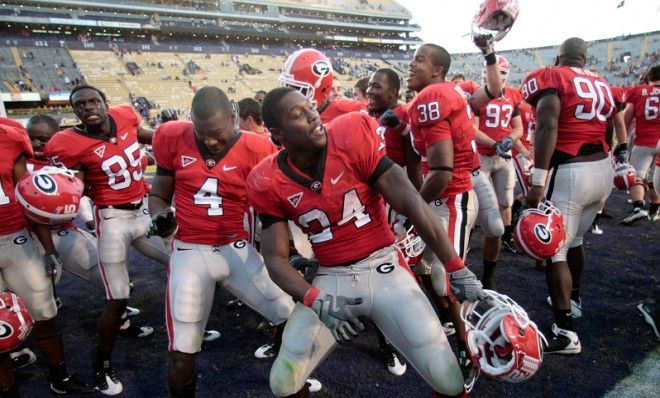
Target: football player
column 250, row 119
column 105, row 151
column 360, row 89
column 24, row 271
column 76, row 247
column 204, row 164
column 443, row 133
column 329, row 181
column 310, row 72
column 644, row 107
column 574, row 109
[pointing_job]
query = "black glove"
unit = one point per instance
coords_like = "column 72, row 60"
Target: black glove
column 302, row 263
column 503, row 147
column 621, row 153
column 484, row 43
column 163, row 224
column 390, row 119
column 53, row 264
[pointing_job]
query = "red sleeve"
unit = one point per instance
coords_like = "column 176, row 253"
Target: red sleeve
column 18, row 135
column 11, row 122
column 469, row 86
column 539, row 81
column 430, row 111
column 262, row 190
column 355, row 133
column 60, row 151
column 629, row 94
column 129, row 114
column 162, row 148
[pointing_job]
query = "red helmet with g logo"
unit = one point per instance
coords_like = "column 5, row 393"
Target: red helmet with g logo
column 495, row 17
column 540, row 232
column 624, row 176
column 15, row 321
column 50, row 195
column 310, row 72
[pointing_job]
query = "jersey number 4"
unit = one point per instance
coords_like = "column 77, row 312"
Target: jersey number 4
column 352, row 209
column 208, row 196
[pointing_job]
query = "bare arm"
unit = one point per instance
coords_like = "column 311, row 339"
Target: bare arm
column 275, row 249
column 399, row 192
column 440, row 158
column 493, row 86
column 545, row 138
column 413, row 164
column 516, row 128
column 144, row 135
column 161, row 194
column 620, row 128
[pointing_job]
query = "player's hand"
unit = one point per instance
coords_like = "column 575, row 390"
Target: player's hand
column 484, row 42
column 163, row 224
column 302, row 264
column 390, row 119
column 53, row 263
column 465, row 285
column 534, row 196
column 621, row 153
column 335, row 312
column 503, row 147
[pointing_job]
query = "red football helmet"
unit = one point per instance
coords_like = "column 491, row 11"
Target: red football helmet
column 501, row 339
column 15, row 321
column 540, row 232
column 310, row 72
column 504, row 69
column 50, row 195
column 624, row 176
column 495, row 17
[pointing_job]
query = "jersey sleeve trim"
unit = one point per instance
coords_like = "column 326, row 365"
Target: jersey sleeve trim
column 267, row 220
column 383, row 165
column 161, row 171
column 543, row 93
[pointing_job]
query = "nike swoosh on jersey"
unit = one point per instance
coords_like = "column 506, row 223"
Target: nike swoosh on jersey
column 228, row 168
column 333, row 181
column 181, row 249
column 123, row 137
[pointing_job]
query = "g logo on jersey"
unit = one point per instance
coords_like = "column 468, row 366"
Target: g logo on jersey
column 316, row 186
column 239, row 244
column 543, row 233
column 385, row 268
column 5, row 330
column 321, row 68
column 63, row 232
column 21, row 239
column 45, row 184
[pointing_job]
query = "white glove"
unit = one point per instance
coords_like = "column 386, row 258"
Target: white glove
column 53, row 263
column 335, row 313
column 465, row 285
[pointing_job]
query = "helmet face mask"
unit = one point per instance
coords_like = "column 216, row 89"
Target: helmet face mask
column 624, row 176
column 310, row 72
column 15, row 321
column 495, row 18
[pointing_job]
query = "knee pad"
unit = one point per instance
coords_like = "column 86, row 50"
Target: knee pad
column 188, row 301
column 491, row 222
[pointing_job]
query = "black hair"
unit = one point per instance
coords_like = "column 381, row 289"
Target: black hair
column 43, row 118
column 392, row 77
column 439, row 57
column 362, row 85
column 261, row 92
column 208, row 101
column 271, row 106
column 250, row 107
column 84, row 87
column 653, row 74
column 458, row 76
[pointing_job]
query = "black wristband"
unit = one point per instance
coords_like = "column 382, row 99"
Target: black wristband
column 488, row 93
column 491, row 59
column 442, row 168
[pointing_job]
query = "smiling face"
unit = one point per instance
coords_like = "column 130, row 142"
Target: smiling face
column 90, row 107
column 215, row 131
column 300, row 129
column 422, row 71
column 39, row 134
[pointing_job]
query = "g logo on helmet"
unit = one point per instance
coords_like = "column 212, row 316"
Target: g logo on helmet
column 543, row 233
column 321, row 68
column 5, row 330
column 45, row 183
column 15, row 321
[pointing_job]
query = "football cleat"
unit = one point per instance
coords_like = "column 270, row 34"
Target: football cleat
column 234, row 303
column 314, row 385
column 107, row 381
column 71, row 385
column 468, row 369
column 562, row 341
column 135, row 331
column 576, row 307
column 396, row 364
column 595, row 229
column 22, row 358
column 211, row 335
column 637, row 214
column 132, row 311
column 266, row 351
column 649, row 312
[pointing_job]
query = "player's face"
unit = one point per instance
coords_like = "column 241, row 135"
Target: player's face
column 410, row 95
column 89, row 106
column 379, row 93
column 260, row 97
column 421, row 69
column 300, row 125
column 39, row 134
column 214, row 131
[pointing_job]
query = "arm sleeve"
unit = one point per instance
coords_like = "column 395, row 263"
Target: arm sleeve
column 162, row 153
column 58, row 155
column 368, row 145
column 262, row 196
column 538, row 83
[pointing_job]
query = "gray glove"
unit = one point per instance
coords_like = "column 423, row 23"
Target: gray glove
column 465, row 285
column 53, row 263
column 503, row 147
column 335, row 313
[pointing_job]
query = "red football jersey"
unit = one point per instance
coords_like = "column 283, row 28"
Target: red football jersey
column 586, row 104
column 341, row 213
column 394, row 139
column 528, row 119
column 341, row 107
column 469, row 86
column 645, row 100
column 440, row 112
column 495, row 118
column 113, row 171
column 210, row 194
column 14, row 142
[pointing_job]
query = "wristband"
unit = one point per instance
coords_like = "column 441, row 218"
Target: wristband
column 310, row 296
column 491, row 59
column 454, row 264
column 539, row 176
